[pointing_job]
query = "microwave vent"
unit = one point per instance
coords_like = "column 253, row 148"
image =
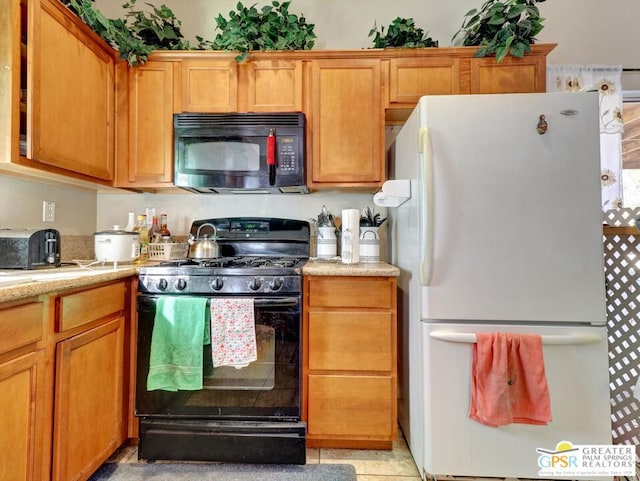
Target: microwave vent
column 200, row 120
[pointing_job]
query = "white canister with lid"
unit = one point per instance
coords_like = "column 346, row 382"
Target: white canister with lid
column 116, row 245
column 327, row 242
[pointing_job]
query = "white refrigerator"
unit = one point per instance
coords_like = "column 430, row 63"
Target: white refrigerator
column 501, row 232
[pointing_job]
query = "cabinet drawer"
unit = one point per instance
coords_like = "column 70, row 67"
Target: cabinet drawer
column 87, row 306
column 350, row 292
column 350, row 406
column 20, row 325
column 350, row 341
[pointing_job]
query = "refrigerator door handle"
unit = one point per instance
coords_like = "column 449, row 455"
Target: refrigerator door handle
column 425, row 209
column 560, row 339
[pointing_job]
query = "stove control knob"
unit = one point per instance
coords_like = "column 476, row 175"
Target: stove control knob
column 216, row 284
column 162, row 284
column 254, row 284
column 276, row 283
column 181, row 284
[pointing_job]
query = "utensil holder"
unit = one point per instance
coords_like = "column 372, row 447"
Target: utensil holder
column 326, row 242
column 369, row 244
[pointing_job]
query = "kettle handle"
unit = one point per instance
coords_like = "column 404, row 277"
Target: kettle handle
column 202, row 225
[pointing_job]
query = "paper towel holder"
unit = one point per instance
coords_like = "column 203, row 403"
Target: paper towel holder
column 394, row 193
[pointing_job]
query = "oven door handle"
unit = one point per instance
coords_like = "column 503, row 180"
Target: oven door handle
column 279, row 302
column 259, row 302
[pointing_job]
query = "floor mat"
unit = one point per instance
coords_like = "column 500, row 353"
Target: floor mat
column 223, row 472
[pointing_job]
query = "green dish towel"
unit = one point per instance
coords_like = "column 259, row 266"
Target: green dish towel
column 175, row 362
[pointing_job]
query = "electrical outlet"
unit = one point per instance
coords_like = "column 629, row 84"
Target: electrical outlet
column 48, row 211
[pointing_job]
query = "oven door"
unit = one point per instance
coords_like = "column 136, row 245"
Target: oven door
column 267, row 389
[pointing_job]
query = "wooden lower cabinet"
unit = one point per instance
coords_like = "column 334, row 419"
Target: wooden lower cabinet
column 21, row 417
column 89, row 419
column 88, row 413
column 66, row 379
column 22, row 391
column 350, row 362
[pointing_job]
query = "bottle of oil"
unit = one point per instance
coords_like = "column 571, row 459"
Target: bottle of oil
column 143, row 235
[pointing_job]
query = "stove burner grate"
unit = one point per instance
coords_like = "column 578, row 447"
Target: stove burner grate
column 237, row 262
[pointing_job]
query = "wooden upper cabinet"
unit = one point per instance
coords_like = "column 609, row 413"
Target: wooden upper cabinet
column 209, row 86
column 346, row 113
column 272, row 86
column 146, row 159
column 72, row 88
column 511, row 75
column 12, row 13
column 411, row 78
column 224, row 85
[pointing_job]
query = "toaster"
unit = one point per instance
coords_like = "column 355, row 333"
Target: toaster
column 29, row 248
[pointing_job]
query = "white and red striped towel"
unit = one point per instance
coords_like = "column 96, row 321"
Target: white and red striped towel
column 233, row 332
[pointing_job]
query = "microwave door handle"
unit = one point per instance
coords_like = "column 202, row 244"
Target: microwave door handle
column 271, row 156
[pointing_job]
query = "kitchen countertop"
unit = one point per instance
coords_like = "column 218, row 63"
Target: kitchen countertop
column 19, row 284
column 333, row 267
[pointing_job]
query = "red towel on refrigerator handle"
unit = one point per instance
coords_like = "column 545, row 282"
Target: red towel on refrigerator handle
column 508, row 380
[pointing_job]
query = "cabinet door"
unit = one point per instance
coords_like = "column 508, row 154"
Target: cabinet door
column 88, row 411
column 21, row 418
column 512, row 75
column 411, row 78
column 10, row 42
column 150, row 155
column 347, row 124
column 273, row 86
column 351, row 406
column 209, row 86
column 72, row 90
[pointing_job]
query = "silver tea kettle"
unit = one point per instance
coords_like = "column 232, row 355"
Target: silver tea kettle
column 205, row 247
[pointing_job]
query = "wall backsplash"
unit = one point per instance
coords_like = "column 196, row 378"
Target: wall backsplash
column 77, row 248
column 80, row 213
column 21, row 206
column 183, row 209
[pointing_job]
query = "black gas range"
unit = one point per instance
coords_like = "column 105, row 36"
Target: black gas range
column 258, row 256
column 224, row 276
column 248, row 413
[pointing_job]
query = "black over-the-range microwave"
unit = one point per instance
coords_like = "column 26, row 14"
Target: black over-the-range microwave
column 240, row 152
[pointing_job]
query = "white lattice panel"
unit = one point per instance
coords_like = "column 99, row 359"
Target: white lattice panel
column 622, row 269
column 621, row 217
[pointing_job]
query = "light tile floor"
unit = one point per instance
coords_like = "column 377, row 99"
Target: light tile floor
column 371, row 465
